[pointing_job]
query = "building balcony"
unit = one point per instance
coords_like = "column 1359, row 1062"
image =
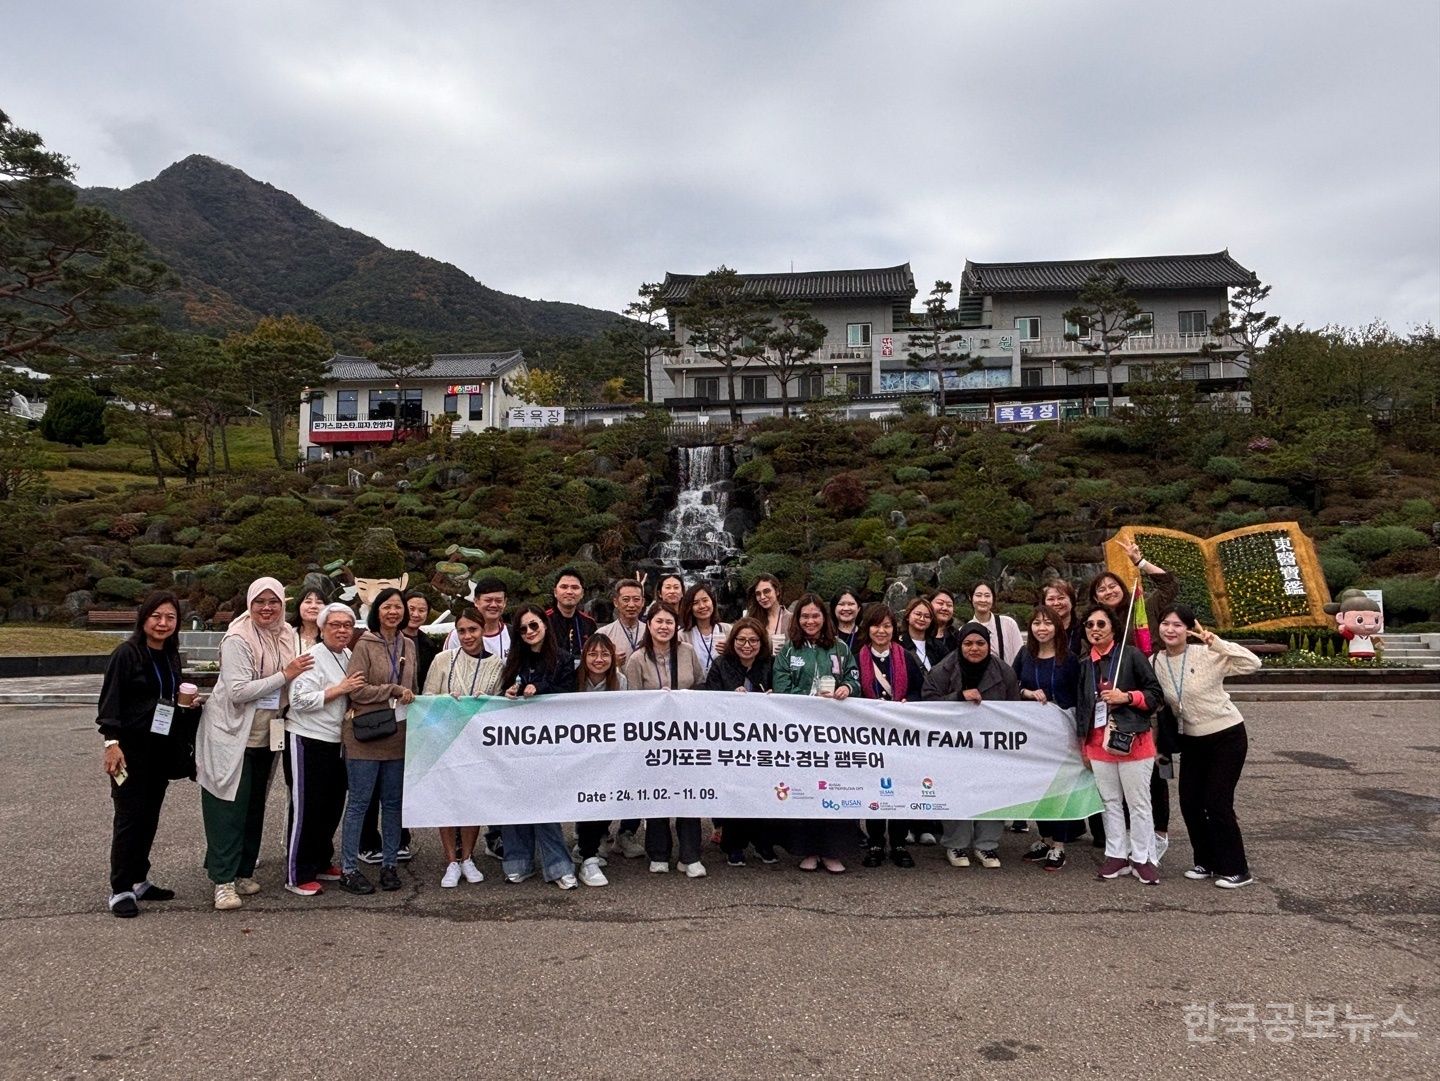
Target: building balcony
column 689, row 358
column 1149, row 344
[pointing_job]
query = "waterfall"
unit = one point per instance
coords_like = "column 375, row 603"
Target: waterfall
column 693, row 534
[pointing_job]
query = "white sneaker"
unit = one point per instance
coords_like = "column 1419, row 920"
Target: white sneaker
column 694, row 870
column 958, row 857
column 591, row 875
column 1162, row 845
column 659, row 867
column 519, row 877
column 927, row 839
column 226, row 898
column 567, row 882
column 471, row 872
column 987, row 859
column 451, row 878
column 247, row 887
column 630, row 848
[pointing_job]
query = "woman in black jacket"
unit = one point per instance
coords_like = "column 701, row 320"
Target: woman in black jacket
column 972, row 674
column 1118, row 693
column 744, row 666
column 149, row 740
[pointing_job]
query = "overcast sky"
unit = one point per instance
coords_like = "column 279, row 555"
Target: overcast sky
column 571, row 151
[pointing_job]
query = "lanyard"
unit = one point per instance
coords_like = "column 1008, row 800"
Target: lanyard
column 850, row 639
column 474, row 676
column 707, row 643
column 395, row 657
column 674, row 667
column 1114, row 666
column 161, row 681
column 633, row 639
column 1180, row 686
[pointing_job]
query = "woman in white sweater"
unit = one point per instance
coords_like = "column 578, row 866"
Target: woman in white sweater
column 314, row 768
column 1191, row 667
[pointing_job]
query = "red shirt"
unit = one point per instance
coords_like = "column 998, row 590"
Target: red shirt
column 1144, row 743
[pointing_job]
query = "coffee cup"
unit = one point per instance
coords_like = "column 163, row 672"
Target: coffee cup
column 825, row 685
column 188, row 694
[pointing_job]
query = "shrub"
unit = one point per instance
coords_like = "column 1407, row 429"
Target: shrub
column 965, row 573
column 784, row 567
column 74, row 415
column 243, row 507
column 893, row 444
column 156, row 555
column 756, row 471
column 228, row 580
column 1419, row 513
column 125, row 589
column 370, row 499
column 412, row 532
column 1101, row 435
column 911, row 474
column 1265, row 495
column 1340, row 570
column 295, row 533
column 881, row 504
column 1027, row 555
column 518, row 586
column 829, row 578
column 918, row 548
column 1222, row 467
column 1409, row 599
column 1229, row 519
column 1371, row 542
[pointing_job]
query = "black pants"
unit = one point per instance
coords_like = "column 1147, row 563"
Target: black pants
column 1063, row 831
column 588, row 836
column 822, row 837
column 1209, row 771
column 137, row 805
column 315, row 774
column 657, row 839
column 370, row 828
column 878, row 829
column 739, row 833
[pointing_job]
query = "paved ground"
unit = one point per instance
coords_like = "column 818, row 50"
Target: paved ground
column 755, row 972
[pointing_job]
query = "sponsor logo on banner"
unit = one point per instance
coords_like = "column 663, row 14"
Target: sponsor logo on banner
column 822, row 785
column 836, row 786
column 927, row 787
column 782, row 791
column 886, row 784
column 840, row 804
column 874, row 806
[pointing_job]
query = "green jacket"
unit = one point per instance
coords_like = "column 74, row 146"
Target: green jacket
column 796, row 668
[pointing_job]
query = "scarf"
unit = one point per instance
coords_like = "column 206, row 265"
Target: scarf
column 271, row 649
column 971, row 672
column 899, row 678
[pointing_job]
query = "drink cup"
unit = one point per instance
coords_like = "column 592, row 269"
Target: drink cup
column 825, row 685
column 188, row 694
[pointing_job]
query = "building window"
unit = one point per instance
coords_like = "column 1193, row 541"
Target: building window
column 1027, row 328
column 477, row 407
column 411, row 409
column 812, row 386
column 451, row 406
column 857, row 335
column 1080, row 329
column 347, row 405
column 1197, row 371
column 1032, row 377
column 857, row 385
column 384, row 404
column 1084, row 375
column 707, row 386
column 752, row 387
column 1145, row 325
column 1193, row 323
column 1137, row 373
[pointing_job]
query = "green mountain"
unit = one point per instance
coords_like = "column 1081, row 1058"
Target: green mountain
column 243, row 248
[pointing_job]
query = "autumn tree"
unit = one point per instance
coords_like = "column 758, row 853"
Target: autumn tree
column 64, row 268
column 727, row 321
column 1106, row 315
column 930, row 344
column 281, row 358
column 791, row 343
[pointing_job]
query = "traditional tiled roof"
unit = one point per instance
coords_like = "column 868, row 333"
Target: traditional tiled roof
column 446, row 366
column 1146, row 272
column 884, row 283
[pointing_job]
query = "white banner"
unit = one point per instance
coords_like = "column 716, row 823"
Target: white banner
column 662, row 754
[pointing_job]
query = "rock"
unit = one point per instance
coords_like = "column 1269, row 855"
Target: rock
column 985, row 548
column 22, row 611
column 414, row 465
column 317, row 580
column 898, row 594
column 329, row 491
column 586, row 554
column 158, row 532
column 897, row 519
column 402, row 485
column 183, row 578
column 603, row 465
column 76, row 604
column 377, row 477
column 918, row 572
column 943, row 565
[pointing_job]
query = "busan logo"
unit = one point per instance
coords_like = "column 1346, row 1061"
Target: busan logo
column 886, row 784
column 927, row 787
column 822, row 785
column 782, row 792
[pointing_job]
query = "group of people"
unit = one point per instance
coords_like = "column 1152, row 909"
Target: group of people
column 327, row 691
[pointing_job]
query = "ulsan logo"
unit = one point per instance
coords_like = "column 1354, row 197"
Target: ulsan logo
column 886, row 784
column 782, row 792
column 927, row 786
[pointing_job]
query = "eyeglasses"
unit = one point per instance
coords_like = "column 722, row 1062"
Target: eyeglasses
column 1096, row 624
column 526, row 628
column 264, row 604
column 747, row 640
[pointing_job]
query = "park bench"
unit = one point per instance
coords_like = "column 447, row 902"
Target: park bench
column 110, row 617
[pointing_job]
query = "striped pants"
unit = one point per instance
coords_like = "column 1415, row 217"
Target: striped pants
column 315, row 774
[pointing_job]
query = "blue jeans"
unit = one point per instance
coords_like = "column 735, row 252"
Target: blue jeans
column 524, row 843
column 363, row 778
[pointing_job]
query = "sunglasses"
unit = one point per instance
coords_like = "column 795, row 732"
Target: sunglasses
column 1096, row 624
column 528, row 627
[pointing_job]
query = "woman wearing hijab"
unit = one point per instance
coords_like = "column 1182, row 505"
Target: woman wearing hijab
column 314, row 766
column 385, row 657
column 147, row 745
column 240, row 730
column 890, row 674
column 464, row 673
column 972, row 674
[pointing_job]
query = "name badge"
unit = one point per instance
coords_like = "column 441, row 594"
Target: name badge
column 270, row 701
column 164, row 716
column 1102, row 713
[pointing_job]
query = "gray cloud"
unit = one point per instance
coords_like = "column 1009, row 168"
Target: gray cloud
column 573, row 150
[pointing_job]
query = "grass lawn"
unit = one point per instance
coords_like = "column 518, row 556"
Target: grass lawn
column 45, row 640
column 119, row 463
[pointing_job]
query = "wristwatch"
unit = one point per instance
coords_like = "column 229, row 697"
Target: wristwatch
column 111, row 743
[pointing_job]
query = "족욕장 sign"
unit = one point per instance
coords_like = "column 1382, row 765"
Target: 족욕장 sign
column 535, row 416
column 646, row 754
column 1028, row 413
